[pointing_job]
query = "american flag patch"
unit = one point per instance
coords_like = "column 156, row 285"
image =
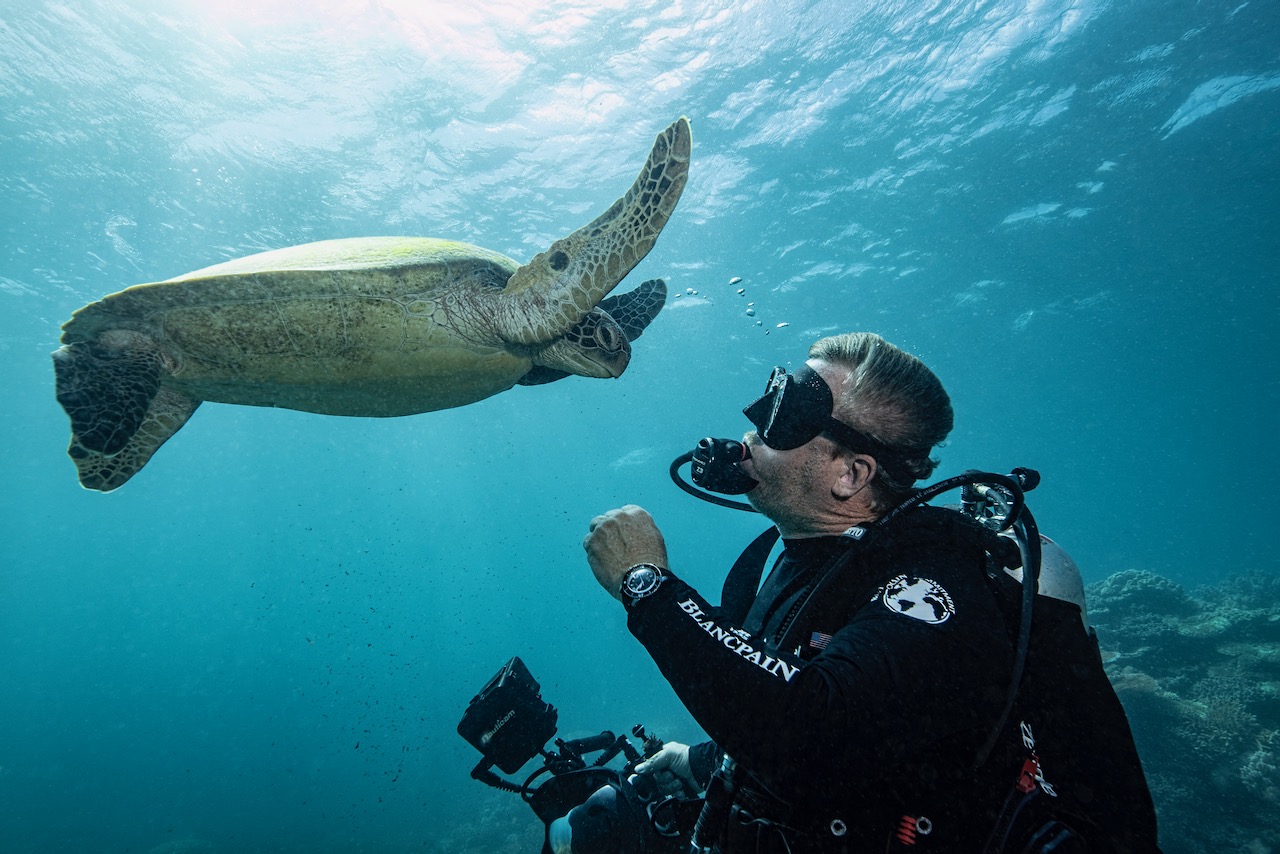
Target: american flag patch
column 819, row 641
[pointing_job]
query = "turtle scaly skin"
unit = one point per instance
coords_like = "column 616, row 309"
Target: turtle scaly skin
column 585, row 266
column 381, row 326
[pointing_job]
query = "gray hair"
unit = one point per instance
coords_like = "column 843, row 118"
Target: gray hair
column 895, row 399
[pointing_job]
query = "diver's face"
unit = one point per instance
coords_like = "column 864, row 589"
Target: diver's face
column 788, row 483
column 795, row 485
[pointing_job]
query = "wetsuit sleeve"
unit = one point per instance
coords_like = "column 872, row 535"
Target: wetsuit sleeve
column 704, row 758
column 884, row 683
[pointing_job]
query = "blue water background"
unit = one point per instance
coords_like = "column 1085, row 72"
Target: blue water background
column 264, row 641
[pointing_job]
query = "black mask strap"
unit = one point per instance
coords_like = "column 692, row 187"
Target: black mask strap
column 797, row 407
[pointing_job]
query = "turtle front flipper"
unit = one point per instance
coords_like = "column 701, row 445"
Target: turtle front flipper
column 120, row 413
column 632, row 312
column 555, row 290
column 637, row 308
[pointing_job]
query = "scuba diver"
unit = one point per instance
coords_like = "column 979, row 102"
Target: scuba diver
column 885, row 688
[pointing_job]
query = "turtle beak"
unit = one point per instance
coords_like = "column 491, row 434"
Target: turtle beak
column 575, row 357
column 605, row 364
column 618, row 364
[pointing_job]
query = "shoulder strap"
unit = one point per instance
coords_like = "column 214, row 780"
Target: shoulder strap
column 836, row 591
column 743, row 581
column 830, row 593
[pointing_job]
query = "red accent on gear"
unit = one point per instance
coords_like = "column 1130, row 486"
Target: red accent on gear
column 1029, row 774
column 906, row 832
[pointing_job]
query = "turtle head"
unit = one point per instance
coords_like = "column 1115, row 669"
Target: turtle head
column 595, row 346
column 631, row 312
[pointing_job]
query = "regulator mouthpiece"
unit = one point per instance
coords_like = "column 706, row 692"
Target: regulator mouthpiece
column 716, row 466
column 715, row 469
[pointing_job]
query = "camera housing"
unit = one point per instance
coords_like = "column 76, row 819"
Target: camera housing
column 508, row 722
column 585, row 809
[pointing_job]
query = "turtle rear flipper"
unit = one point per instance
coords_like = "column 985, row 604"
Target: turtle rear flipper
column 120, row 413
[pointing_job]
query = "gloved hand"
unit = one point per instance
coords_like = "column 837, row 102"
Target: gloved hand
column 670, row 770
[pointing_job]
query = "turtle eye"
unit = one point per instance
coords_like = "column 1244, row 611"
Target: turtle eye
column 608, row 337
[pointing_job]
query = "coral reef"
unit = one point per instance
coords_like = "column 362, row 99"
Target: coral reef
column 1261, row 771
column 1199, row 676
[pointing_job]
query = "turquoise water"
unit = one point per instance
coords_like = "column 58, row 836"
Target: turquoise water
column 263, row 642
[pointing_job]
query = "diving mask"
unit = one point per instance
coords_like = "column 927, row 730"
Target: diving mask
column 797, row 407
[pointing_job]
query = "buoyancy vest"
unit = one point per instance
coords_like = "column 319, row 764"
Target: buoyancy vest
column 1064, row 776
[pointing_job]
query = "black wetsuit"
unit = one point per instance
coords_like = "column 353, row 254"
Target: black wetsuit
column 872, row 715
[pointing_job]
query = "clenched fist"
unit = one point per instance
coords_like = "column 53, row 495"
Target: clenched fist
column 620, row 539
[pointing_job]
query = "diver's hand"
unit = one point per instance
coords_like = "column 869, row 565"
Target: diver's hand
column 620, row 539
column 670, row 770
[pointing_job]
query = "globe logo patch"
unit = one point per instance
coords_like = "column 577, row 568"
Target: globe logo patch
column 919, row 598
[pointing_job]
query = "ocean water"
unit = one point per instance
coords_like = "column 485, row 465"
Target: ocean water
column 264, row 641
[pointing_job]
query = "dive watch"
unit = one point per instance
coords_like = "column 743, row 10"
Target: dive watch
column 640, row 581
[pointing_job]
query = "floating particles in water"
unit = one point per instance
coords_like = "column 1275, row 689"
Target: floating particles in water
column 741, row 291
column 735, row 280
column 691, row 292
column 751, row 312
column 782, row 324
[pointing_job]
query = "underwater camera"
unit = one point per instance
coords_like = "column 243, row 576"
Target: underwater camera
column 584, row 808
column 508, row 721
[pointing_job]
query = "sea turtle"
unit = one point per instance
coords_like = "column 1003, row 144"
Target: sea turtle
column 375, row 326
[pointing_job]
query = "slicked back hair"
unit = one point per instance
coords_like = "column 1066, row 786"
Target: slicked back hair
column 895, row 399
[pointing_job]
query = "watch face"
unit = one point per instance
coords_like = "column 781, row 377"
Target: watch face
column 641, row 581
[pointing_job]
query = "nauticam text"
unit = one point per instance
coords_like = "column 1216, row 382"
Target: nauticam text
column 502, row 721
column 732, row 642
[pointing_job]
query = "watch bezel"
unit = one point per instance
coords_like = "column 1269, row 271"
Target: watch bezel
column 630, row 593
